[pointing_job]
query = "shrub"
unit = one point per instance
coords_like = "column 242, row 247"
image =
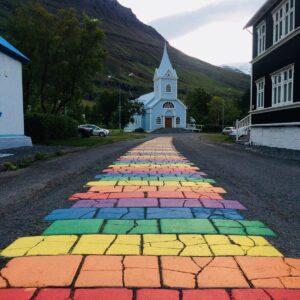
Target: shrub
column 24, row 163
column 59, row 153
column 140, row 130
column 43, row 127
column 39, row 156
column 10, row 166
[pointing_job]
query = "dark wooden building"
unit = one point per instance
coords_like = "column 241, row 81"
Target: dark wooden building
column 275, row 101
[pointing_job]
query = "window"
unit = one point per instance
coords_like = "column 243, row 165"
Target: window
column 177, row 121
column 283, row 87
column 261, row 38
column 168, row 105
column 260, row 93
column 168, row 88
column 284, row 20
column 158, row 121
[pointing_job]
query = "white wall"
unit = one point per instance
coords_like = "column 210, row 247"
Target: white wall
column 11, row 96
column 287, row 137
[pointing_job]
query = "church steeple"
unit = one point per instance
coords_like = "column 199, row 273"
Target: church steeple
column 165, row 79
column 165, row 66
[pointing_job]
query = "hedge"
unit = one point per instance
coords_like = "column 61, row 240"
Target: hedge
column 212, row 128
column 43, row 127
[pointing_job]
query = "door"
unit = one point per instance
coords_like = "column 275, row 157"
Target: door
column 168, row 122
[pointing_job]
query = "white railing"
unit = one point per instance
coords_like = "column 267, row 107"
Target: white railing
column 194, row 127
column 243, row 127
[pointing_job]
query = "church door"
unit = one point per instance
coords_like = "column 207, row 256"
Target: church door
column 168, row 122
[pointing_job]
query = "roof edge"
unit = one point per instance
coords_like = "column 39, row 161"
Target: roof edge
column 260, row 13
column 10, row 50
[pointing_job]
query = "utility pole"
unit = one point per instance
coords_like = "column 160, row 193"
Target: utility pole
column 120, row 110
column 120, row 100
column 223, row 113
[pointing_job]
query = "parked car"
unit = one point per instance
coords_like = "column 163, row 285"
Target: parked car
column 241, row 131
column 97, row 131
column 85, row 132
column 228, row 130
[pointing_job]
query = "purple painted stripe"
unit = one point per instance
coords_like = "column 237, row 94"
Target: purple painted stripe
column 191, row 174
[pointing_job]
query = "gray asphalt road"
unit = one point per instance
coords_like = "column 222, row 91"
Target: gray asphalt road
column 269, row 187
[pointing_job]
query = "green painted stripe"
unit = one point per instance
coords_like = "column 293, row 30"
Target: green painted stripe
column 163, row 226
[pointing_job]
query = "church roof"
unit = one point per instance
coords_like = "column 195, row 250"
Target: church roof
column 165, row 65
column 11, row 51
column 146, row 99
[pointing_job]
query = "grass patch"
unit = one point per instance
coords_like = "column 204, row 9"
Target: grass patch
column 10, row 166
column 217, row 137
column 95, row 141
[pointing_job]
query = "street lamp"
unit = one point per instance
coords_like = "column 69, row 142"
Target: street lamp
column 120, row 103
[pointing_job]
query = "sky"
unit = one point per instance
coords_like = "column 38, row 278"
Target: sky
column 211, row 30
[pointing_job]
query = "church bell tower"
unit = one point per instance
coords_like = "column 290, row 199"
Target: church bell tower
column 165, row 79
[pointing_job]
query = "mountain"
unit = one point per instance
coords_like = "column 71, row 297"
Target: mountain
column 244, row 68
column 134, row 47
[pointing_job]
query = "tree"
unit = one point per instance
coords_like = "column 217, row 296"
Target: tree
column 244, row 103
column 197, row 103
column 215, row 115
column 106, row 109
column 65, row 51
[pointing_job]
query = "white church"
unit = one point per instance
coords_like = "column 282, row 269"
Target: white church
column 11, row 97
column 162, row 107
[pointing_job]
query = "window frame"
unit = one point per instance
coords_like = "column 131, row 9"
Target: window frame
column 283, row 20
column 260, row 93
column 165, row 105
column 168, row 88
column 158, row 121
column 283, row 86
column 178, row 120
column 261, row 37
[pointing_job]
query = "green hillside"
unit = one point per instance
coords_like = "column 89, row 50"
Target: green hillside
column 134, row 47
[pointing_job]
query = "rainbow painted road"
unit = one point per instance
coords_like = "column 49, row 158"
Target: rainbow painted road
column 152, row 226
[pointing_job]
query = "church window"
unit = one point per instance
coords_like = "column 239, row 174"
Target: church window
column 158, row 121
column 168, row 88
column 178, row 121
column 168, row 105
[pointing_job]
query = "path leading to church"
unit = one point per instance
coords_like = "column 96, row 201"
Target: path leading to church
column 150, row 226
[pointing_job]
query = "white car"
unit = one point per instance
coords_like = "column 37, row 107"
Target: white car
column 241, row 132
column 228, row 130
column 97, row 131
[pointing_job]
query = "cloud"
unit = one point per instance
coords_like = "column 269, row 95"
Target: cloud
column 177, row 25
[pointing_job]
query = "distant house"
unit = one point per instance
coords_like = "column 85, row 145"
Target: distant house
column 11, row 97
column 275, row 103
column 162, row 107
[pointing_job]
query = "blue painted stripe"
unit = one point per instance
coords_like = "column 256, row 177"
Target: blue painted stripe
column 143, row 214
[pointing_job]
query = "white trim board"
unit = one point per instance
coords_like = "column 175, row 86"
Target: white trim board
column 270, row 109
column 292, row 124
column 277, row 45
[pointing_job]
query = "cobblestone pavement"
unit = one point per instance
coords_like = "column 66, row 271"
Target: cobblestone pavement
column 150, row 226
